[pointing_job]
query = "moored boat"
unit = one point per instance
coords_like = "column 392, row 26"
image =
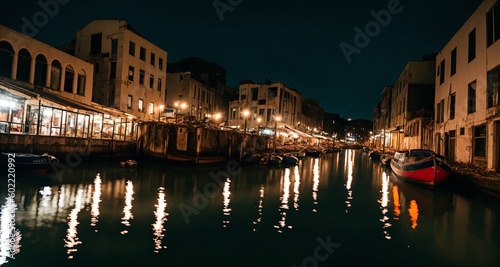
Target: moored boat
column 275, row 160
column 421, row 166
column 314, row 153
column 374, row 155
column 288, row 159
column 386, row 159
column 28, row 162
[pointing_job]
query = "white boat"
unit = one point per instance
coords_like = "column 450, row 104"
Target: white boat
column 289, row 159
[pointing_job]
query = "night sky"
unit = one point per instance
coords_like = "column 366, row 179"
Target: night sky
column 297, row 42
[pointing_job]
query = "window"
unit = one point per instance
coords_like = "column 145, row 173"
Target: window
column 141, row 76
column 151, row 81
column 129, row 101
column 140, row 106
column 492, row 87
column 131, row 48
column 243, row 93
column 262, row 102
column 95, row 43
column 159, row 85
column 131, row 73
column 151, row 108
column 453, row 68
column 153, row 59
column 114, row 46
column 452, row 106
column 462, row 131
column 441, row 72
column 96, row 67
column 440, row 111
column 255, row 94
column 112, row 71
column 493, row 25
column 142, row 54
column 472, row 45
column 471, row 98
column 160, row 63
column 272, row 92
column 479, row 144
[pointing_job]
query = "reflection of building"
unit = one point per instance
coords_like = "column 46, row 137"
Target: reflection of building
column 45, row 91
column 467, row 91
column 129, row 70
column 201, row 85
column 264, row 101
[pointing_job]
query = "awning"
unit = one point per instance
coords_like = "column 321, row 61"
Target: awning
column 298, row 132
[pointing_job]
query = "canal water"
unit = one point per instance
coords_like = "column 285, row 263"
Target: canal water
column 338, row 210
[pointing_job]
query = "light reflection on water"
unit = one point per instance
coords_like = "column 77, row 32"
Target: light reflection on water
column 110, row 199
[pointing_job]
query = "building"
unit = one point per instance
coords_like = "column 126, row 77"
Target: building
column 265, row 102
column 382, row 119
column 412, row 98
column 467, row 127
column 330, row 123
column 130, row 71
column 45, row 91
column 200, row 85
column 311, row 120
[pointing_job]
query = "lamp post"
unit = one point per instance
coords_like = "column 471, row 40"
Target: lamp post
column 276, row 119
column 258, row 125
column 246, row 113
column 217, row 117
column 159, row 112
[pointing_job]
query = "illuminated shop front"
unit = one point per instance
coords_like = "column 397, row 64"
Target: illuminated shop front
column 11, row 114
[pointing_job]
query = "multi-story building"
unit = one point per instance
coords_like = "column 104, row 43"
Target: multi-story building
column 311, row 120
column 200, row 85
column 467, row 93
column 331, row 123
column 412, row 98
column 265, row 102
column 381, row 127
column 130, row 71
column 45, row 91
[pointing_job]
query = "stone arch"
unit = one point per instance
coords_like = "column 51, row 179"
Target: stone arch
column 23, row 65
column 69, row 76
column 55, row 74
column 6, row 58
column 40, row 70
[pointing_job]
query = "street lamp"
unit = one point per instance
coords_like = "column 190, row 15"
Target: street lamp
column 217, row 117
column 276, row 119
column 258, row 125
column 179, row 105
column 246, row 113
column 159, row 112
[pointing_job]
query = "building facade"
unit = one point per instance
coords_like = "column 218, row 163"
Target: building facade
column 412, row 96
column 130, row 71
column 467, row 116
column 311, row 120
column 265, row 102
column 45, row 91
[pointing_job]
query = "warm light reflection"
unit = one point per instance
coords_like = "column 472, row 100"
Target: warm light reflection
column 72, row 239
column 161, row 217
column 349, row 158
column 315, row 183
column 283, row 208
column 296, row 185
column 259, row 207
column 395, row 196
column 383, row 204
column 10, row 237
column 226, row 210
column 127, row 209
column 46, row 192
column 96, row 199
column 413, row 210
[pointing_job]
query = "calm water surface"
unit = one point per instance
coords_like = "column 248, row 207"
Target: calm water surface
column 338, row 210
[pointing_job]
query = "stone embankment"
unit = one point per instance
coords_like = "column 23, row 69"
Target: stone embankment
column 484, row 180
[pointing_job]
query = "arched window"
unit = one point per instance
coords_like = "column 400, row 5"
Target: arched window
column 23, row 65
column 68, row 79
column 55, row 75
column 80, row 89
column 6, row 56
column 40, row 70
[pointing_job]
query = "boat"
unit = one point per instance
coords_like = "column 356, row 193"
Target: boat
column 374, row 155
column 28, row 162
column 386, row 159
column 366, row 149
column 299, row 154
column 289, row 159
column 275, row 160
column 129, row 163
column 314, row 153
column 421, row 166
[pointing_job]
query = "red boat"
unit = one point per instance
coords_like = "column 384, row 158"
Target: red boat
column 421, row 166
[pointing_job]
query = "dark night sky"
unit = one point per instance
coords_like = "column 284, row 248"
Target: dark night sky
column 294, row 41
